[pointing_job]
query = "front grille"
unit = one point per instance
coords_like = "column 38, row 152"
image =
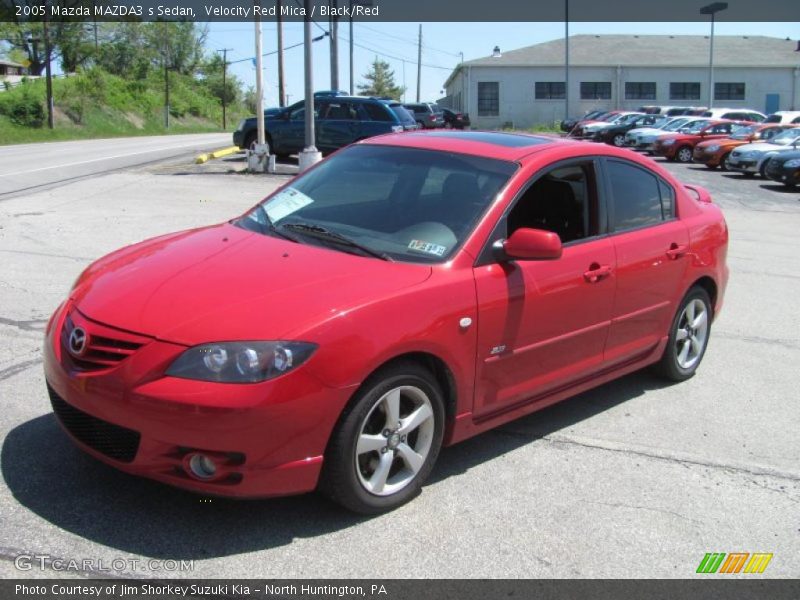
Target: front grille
column 106, row 438
column 105, row 347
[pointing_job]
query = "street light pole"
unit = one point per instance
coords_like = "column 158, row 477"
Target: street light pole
column 334, row 34
column 566, row 59
column 282, row 101
column 310, row 155
column 712, row 9
column 224, row 85
column 259, row 81
column 48, row 74
column 352, row 84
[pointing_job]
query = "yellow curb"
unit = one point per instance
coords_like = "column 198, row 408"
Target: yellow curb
column 216, row 154
column 224, row 151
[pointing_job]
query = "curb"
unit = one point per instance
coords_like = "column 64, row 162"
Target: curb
column 215, row 154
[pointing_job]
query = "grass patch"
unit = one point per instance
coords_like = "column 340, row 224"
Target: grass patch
column 95, row 104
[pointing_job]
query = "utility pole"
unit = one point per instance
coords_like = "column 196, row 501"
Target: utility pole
column 566, row 59
column 165, row 60
column 282, row 98
column 47, row 51
column 463, row 81
column 224, row 84
column 334, row 34
column 310, row 155
column 352, row 76
column 259, row 79
column 419, row 61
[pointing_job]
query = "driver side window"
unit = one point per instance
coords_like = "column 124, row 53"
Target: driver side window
column 563, row 200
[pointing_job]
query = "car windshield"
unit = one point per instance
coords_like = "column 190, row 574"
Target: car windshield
column 675, row 125
column 744, row 133
column 786, row 137
column 404, row 204
column 695, row 127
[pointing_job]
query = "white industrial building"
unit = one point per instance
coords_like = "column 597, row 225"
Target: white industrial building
column 524, row 87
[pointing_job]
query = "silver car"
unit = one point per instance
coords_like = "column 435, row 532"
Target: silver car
column 752, row 158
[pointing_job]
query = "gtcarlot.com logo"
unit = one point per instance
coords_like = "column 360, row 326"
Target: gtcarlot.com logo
column 734, row 562
column 28, row 562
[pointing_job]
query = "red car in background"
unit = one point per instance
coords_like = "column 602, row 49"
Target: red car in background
column 577, row 131
column 408, row 292
column 714, row 153
column 680, row 146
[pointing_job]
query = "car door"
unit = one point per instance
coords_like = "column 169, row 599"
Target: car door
column 543, row 324
column 338, row 125
column 651, row 245
column 288, row 135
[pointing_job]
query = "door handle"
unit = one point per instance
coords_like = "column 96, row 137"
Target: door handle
column 597, row 272
column 676, row 251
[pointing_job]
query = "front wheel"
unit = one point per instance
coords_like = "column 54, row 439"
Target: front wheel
column 723, row 162
column 386, row 442
column 619, row 140
column 688, row 337
column 684, row 154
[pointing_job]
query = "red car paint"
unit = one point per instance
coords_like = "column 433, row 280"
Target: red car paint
column 688, row 141
column 158, row 297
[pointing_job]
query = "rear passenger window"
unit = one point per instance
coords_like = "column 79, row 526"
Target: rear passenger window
column 377, row 112
column 638, row 197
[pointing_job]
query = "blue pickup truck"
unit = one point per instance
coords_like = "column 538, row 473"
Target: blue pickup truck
column 339, row 121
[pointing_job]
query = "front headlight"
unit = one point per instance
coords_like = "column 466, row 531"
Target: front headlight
column 240, row 362
column 668, row 142
column 792, row 164
column 713, row 148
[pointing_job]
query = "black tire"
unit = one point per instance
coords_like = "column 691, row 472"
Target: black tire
column 763, row 169
column 668, row 367
column 340, row 480
column 683, row 157
column 249, row 140
column 723, row 162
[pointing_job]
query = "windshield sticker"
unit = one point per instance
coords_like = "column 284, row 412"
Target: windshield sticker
column 285, row 203
column 427, row 247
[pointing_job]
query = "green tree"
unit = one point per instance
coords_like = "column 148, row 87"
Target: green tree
column 212, row 71
column 380, row 82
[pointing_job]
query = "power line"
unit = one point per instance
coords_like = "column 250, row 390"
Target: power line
column 285, row 48
column 406, row 40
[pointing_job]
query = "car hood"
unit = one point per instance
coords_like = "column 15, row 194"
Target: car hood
column 765, row 147
column 227, row 283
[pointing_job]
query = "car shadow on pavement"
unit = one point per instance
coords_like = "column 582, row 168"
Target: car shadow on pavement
column 49, row 476
column 494, row 443
column 779, row 187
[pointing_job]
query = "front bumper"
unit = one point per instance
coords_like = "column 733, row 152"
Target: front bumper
column 743, row 165
column 238, row 138
column 712, row 159
column 267, row 438
column 789, row 176
column 666, row 151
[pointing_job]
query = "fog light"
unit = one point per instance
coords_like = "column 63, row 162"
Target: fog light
column 202, row 466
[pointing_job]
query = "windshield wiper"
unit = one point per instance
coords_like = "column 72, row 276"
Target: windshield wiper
column 320, row 232
column 269, row 227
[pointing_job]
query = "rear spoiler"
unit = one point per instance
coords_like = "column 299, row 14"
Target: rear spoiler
column 701, row 193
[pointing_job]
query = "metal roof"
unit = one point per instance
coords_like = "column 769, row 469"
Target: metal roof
column 649, row 51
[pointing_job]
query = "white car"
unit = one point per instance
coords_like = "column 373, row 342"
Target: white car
column 632, row 137
column 735, row 114
column 592, row 128
column 752, row 158
column 646, row 140
column 784, row 116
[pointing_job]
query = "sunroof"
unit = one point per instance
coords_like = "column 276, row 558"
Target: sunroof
column 509, row 140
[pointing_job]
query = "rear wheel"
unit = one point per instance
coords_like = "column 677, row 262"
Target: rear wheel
column 684, row 154
column 619, row 140
column 723, row 162
column 387, row 440
column 688, row 337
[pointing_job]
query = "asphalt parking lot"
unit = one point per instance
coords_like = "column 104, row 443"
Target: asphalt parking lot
column 634, row 479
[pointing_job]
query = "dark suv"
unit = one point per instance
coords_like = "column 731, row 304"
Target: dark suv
column 339, row 121
column 427, row 114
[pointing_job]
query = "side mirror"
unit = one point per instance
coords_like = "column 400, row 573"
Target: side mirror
column 529, row 244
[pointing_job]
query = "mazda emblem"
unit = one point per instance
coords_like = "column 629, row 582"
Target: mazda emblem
column 78, row 340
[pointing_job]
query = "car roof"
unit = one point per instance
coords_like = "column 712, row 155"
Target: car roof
column 490, row 144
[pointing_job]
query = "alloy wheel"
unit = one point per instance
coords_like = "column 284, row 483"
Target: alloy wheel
column 394, row 440
column 685, row 155
column 691, row 334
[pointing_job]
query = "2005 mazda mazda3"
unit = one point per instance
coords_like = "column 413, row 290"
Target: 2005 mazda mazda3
column 408, row 292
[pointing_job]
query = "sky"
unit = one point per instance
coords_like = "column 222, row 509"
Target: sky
column 396, row 43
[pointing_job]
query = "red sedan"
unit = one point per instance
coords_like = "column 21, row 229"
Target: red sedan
column 680, row 146
column 407, row 293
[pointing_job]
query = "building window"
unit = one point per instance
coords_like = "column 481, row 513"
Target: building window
column 684, row 91
column 595, row 90
column 638, row 90
column 550, row 90
column 728, row 91
column 488, row 98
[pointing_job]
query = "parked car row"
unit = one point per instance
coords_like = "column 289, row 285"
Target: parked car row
column 341, row 120
column 768, row 148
